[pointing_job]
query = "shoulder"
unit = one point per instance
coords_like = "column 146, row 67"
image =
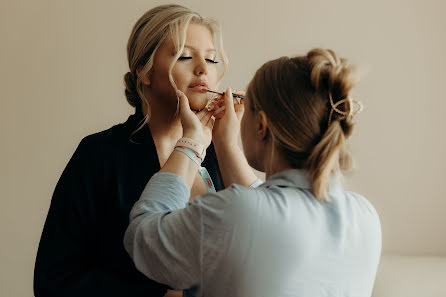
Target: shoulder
column 359, row 202
column 362, row 210
column 365, row 216
column 105, row 137
column 101, row 143
column 227, row 204
column 237, row 196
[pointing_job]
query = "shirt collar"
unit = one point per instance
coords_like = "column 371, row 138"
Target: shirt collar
column 144, row 136
column 289, row 178
column 296, row 178
column 141, row 136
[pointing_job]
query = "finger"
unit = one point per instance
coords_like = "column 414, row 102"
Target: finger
column 200, row 114
column 206, row 118
column 239, row 110
column 219, row 110
column 237, row 92
column 242, row 93
column 229, row 101
column 219, row 115
column 210, row 123
column 218, row 98
column 216, row 102
column 220, row 103
column 184, row 102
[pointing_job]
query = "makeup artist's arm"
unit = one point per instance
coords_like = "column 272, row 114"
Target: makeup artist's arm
column 233, row 165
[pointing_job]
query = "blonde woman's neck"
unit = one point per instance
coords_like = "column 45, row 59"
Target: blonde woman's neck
column 164, row 127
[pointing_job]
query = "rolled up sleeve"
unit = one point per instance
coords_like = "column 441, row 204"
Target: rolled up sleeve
column 163, row 237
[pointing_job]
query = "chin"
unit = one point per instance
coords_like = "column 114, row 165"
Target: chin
column 197, row 102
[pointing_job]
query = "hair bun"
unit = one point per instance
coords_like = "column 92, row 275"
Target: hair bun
column 331, row 73
column 130, row 90
column 333, row 78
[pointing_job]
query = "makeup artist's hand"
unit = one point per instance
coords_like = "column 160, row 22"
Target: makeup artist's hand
column 227, row 119
column 197, row 126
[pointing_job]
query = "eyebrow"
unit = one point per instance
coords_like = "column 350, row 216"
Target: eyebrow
column 193, row 48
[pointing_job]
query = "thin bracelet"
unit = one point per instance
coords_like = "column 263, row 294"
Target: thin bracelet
column 198, row 148
column 201, row 170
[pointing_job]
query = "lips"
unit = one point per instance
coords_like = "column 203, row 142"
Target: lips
column 199, row 84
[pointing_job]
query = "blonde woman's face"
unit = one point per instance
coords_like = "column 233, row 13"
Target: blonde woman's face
column 195, row 70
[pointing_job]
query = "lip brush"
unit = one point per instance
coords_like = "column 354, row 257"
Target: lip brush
column 222, row 93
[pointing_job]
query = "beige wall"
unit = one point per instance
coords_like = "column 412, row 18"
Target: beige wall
column 61, row 69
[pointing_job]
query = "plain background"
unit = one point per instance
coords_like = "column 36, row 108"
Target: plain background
column 61, row 74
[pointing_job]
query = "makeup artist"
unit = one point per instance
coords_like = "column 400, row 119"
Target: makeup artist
column 299, row 233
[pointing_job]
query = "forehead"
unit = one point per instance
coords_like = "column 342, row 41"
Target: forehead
column 200, row 37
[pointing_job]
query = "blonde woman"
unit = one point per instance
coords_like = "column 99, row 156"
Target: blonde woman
column 297, row 234
column 81, row 251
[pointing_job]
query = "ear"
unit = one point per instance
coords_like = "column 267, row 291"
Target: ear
column 262, row 125
column 145, row 80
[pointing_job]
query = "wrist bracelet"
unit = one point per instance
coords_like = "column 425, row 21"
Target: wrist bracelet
column 193, row 145
column 201, row 170
column 190, row 153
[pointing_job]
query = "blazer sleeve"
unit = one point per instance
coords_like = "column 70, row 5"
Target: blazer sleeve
column 65, row 263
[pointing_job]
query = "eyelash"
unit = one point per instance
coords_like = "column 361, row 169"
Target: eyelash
column 188, row 58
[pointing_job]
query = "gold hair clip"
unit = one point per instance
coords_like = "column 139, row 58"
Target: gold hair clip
column 346, row 114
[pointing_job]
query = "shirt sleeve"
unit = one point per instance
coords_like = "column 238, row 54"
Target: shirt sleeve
column 257, row 183
column 163, row 233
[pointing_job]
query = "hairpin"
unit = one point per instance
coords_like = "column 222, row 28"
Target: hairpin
column 346, row 114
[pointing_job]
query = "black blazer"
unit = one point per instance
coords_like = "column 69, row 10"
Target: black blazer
column 81, row 251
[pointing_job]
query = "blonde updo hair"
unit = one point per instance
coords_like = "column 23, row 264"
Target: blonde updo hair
column 149, row 33
column 294, row 94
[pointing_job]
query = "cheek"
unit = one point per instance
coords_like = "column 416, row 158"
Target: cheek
column 212, row 77
column 179, row 77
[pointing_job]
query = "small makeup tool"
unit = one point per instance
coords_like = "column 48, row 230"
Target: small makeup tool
column 233, row 95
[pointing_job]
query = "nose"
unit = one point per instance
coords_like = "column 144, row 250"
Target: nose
column 201, row 68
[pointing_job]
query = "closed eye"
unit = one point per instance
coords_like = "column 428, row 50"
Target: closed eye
column 189, row 58
column 212, row 61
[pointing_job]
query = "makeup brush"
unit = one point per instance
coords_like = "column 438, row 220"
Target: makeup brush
column 222, row 93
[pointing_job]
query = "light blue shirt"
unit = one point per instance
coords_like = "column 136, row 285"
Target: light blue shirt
column 273, row 240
